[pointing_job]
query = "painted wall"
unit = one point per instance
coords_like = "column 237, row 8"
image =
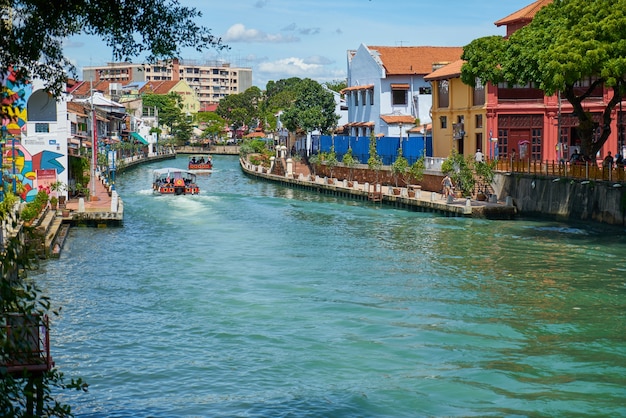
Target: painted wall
column 35, row 148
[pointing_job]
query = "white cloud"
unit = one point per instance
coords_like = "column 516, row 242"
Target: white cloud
column 239, row 33
column 297, row 67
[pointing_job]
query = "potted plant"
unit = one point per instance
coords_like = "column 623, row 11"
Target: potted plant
column 416, row 173
column 59, row 188
column 315, row 160
column 54, row 202
column 29, row 213
column 330, row 160
column 350, row 162
column 485, row 171
column 399, row 169
column 374, row 162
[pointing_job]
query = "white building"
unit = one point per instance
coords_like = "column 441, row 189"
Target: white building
column 386, row 90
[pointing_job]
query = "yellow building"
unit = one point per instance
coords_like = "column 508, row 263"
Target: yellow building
column 458, row 113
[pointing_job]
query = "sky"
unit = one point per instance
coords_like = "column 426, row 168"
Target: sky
column 280, row 39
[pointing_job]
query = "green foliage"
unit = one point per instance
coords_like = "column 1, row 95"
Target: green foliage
column 22, row 299
column 313, row 109
column 7, row 205
column 213, row 124
column 33, row 39
column 400, row 166
column 374, row 162
column 460, row 170
column 241, row 109
column 315, row 160
column 330, row 160
column 416, row 170
column 485, row 172
column 571, row 47
column 349, row 161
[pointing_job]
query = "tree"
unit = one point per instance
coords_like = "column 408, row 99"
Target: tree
column 241, row 109
column 313, row 109
column 374, row 162
column 213, row 124
column 571, row 47
column 32, row 33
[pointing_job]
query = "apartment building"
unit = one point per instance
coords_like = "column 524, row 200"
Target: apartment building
column 210, row 81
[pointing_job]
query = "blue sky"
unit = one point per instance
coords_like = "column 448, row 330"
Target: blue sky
column 310, row 38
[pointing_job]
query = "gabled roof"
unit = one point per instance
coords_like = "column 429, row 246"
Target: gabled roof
column 446, row 72
column 524, row 15
column 83, row 88
column 408, row 60
column 159, row 87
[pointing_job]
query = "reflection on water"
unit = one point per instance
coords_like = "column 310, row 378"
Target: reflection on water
column 256, row 300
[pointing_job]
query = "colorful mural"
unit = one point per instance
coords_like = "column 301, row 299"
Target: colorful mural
column 18, row 161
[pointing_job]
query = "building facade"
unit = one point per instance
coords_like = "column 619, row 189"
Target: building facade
column 210, row 81
column 387, row 93
column 507, row 121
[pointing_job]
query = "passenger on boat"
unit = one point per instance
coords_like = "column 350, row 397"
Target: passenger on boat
column 201, row 160
column 193, row 160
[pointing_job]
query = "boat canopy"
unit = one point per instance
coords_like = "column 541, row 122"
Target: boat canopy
column 174, row 173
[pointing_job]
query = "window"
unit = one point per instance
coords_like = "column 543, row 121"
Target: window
column 371, row 93
column 444, row 97
column 478, row 97
column 399, row 97
column 356, row 98
column 426, row 90
column 479, row 141
column 363, row 97
column 42, row 128
column 443, row 120
column 535, row 147
column 503, row 143
column 479, row 121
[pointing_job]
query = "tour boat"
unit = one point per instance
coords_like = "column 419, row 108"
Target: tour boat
column 174, row 181
column 200, row 163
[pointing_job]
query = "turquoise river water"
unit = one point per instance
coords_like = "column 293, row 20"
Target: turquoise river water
column 255, row 300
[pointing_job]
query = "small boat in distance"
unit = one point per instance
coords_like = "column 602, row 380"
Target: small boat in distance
column 174, row 181
column 200, row 163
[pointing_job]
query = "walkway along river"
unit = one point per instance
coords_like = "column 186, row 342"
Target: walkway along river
column 256, row 300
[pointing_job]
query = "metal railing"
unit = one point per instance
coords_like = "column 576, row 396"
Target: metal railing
column 583, row 171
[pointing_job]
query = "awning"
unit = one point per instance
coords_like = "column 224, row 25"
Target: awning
column 139, row 138
column 399, row 86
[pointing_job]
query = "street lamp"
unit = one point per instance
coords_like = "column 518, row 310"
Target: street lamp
column 424, row 153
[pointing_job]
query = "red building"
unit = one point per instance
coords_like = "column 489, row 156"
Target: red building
column 523, row 119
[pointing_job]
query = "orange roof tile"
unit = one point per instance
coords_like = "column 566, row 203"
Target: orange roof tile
column 352, row 88
column 446, row 72
column 83, row 88
column 525, row 14
column 77, row 108
column 391, row 119
column 159, row 87
column 403, row 60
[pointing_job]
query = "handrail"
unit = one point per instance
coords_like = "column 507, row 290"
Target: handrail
column 584, row 171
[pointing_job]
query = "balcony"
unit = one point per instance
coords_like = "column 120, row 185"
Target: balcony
column 27, row 345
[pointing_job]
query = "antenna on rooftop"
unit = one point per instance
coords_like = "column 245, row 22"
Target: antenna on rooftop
column 400, row 43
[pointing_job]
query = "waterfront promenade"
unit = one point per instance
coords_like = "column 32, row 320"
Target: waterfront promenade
column 411, row 198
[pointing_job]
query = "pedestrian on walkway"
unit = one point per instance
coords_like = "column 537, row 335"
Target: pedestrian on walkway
column 479, row 156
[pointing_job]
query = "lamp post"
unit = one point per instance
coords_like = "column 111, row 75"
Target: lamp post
column 400, row 138
column 424, row 153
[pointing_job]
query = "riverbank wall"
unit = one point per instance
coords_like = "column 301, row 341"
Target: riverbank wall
column 410, row 198
column 564, row 198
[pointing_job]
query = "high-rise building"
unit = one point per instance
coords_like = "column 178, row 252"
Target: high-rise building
column 210, row 81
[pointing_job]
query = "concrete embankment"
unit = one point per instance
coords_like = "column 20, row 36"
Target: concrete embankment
column 412, row 199
column 565, row 198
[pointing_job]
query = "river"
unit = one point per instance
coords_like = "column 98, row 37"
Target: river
column 255, row 300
